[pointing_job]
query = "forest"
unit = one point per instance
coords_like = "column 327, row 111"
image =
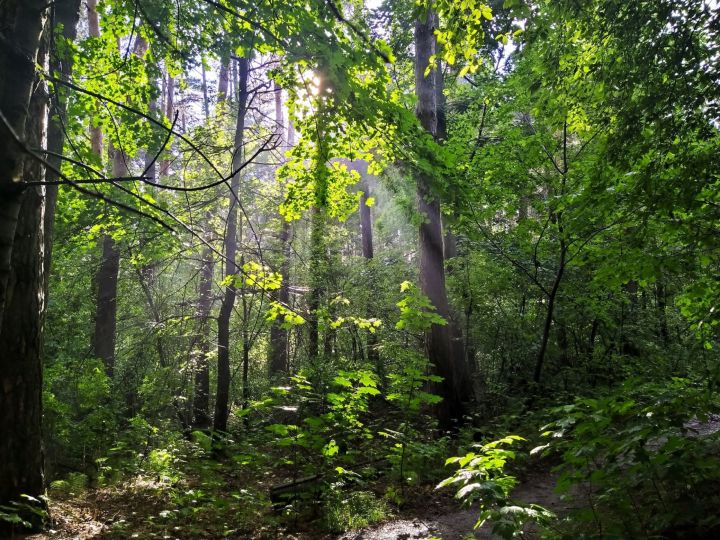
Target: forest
column 359, row 269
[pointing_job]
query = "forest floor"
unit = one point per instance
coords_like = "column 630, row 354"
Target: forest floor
column 97, row 513
column 440, row 517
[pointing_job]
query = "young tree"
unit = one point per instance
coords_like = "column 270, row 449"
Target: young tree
column 278, row 354
column 222, row 398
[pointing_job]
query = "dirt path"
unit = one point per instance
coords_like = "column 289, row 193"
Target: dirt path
column 458, row 525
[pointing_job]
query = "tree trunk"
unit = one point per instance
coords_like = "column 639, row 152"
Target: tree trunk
column 317, row 282
column 278, row 358
column 318, row 230
column 432, row 271
column 67, row 14
column 23, row 102
column 103, row 344
column 201, row 401
column 96, row 137
column 169, row 112
column 21, row 23
column 222, row 405
column 368, row 252
column 550, row 313
column 223, row 81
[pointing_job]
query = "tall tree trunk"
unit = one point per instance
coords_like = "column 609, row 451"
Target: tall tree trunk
column 317, row 281
column 318, row 229
column 368, row 252
column 432, row 270
column 103, row 343
column 22, row 23
column 222, row 405
column 67, row 14
column 23, row 103
column 96, row 136
column 201, row 401
column 278, row 357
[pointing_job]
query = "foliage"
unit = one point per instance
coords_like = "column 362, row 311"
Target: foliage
column 642, row 458
column 354, row 510
column 482, row 479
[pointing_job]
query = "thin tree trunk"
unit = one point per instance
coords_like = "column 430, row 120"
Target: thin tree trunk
column 223, row 82
column 206, row 104
column 318, row 230
column 222, row 405
column 549, row 315
column 201, row 401
column 144, row 275
column 432, row 271
column 67, row 14
column 169, row 114
column 368, row 252
column 278, row 360
column 317, row 256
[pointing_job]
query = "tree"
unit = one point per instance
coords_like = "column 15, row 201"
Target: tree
column 278, row 354
column 222, row 399
column 432, row 270
column 23, row 112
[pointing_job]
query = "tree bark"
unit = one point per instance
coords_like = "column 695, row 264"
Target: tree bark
column 23, row 102
column 222, row 405
column 22, row 23
column 432, row 271
column 278, row 357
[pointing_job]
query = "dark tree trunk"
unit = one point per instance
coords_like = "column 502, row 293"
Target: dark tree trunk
column 432, row 270
column 368, row 253
column 549, row 315
column 23, row 101
column 107, row 278
column 366, row 233
column 222, row 398
column 21, row 23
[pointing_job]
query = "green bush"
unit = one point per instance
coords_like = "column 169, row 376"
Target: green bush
column 353, row 510
column 637, row 464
